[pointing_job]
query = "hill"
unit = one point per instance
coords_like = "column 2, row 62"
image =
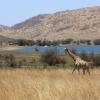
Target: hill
column 5, row 39
column 76, row 24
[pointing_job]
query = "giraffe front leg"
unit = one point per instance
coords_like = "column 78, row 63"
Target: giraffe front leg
column 78, row 69
column 75, row 66
column 73, row 70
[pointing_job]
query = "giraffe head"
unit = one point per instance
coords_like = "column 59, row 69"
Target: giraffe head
column 66, row 50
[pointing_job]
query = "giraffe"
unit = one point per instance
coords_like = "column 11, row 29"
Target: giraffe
column 78, row 62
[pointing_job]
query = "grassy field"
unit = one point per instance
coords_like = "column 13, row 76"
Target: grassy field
column 29, row 56
column 21, row 84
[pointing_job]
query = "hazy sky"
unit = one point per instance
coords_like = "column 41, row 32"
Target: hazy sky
column 15, row 11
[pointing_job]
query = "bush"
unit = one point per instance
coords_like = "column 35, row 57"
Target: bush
column 10, row 61
column 91, row 57
column 73, row 51
column 96, row 60
column 84, row 55
column 23, row 42
column 67, row 41
column 97, row 42
column 52, row 58
column 86, row 42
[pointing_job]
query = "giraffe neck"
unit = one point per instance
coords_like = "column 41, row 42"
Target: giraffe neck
column 73, row 56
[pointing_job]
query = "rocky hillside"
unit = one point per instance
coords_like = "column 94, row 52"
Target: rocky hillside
column 5, row 39
column 77, row 24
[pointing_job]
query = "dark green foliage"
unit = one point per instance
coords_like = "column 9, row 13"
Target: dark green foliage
column 91, row 57
column 88, row 42
column 84, row 56
column 10, row 61
column 52, row 58
column 73, row 51
column 96, row 60
column 97, row 42
column 22, row 42
column 45, row 42
column 67, row 41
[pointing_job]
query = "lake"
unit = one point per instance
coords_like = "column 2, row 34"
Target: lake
column 59, row 48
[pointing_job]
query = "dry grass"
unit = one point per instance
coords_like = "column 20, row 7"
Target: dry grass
column 23, row 84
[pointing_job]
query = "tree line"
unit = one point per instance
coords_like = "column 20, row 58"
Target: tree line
column 23, row 42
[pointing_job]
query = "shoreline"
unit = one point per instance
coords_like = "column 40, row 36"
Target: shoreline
column 10, row 47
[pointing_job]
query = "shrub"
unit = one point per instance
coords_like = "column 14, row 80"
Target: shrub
column 10, row 61
column 73, row 51
column 52, row 58
column 67, row 41
column 84, row 55
column 97, row 42
column 96, row 60
column 91, row 57
column 23, row 42
column 85, row 42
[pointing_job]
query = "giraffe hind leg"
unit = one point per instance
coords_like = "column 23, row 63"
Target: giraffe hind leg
column 88, row 71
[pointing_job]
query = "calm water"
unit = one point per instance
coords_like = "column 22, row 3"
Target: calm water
column 59, row 48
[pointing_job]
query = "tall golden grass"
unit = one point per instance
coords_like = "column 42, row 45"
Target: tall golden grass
column 21, row 84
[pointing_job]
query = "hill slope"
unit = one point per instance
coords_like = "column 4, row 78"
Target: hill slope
column 77, row 24
column 5, row 39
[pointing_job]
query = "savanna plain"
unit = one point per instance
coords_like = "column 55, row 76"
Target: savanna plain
column 49, row 84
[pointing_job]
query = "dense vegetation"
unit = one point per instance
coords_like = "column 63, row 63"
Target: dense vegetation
column 50, row 58
column 22, row 42
column 97, row 42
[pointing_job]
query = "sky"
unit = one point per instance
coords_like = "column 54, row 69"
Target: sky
column 15, row 11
